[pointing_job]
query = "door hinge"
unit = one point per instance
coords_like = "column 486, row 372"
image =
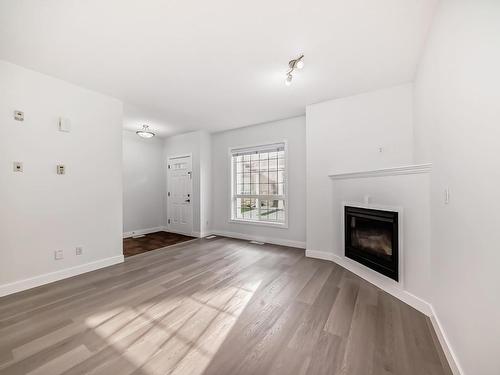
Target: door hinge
column 168, row 194
column 190, row 175
column 169, row 166
column 168, row 221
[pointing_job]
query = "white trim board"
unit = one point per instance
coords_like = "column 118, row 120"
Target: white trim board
column 395, row 171
column 191, row 234
column 450, row 355
column 142, row 231
column 401, row 294
column 419, row 304
column 47, row 278
column 249, row 237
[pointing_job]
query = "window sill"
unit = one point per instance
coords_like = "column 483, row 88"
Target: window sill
column 260, row 223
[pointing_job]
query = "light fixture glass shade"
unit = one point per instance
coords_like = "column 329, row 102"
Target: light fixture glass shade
column 288, row 80
column 145, row 132
column 300, row 64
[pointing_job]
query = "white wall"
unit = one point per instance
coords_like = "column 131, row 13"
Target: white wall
column 144, row 186
column 457, row 128
column 292, row 130
column 198, row 145
column 345, row 135
column 41, row 211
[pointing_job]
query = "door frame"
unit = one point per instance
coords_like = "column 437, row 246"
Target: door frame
column 169, row 229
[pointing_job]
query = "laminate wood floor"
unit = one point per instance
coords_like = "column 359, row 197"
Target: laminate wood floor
column 219, row 306
column 151, row 241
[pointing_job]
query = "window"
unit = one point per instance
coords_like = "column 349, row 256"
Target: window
column 258, row 184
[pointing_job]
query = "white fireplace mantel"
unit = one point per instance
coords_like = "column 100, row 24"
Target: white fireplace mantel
column 394, row 171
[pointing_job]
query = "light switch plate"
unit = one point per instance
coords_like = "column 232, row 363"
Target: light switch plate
column 58, row 254
column 61, row 169
column 64, row 125
column 446, row 196
column 79, row 250
column 17, row 166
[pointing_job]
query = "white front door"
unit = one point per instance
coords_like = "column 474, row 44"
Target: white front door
column 179, row 196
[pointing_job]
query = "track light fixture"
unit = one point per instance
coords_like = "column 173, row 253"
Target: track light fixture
column 293, row 65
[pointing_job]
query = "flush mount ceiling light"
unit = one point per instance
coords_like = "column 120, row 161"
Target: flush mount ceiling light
column 145, row 132
column 293, row 65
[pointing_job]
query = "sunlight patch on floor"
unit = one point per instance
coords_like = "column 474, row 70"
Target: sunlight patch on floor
column 178, row 336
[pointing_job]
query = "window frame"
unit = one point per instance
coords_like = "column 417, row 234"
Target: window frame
column 232, row 188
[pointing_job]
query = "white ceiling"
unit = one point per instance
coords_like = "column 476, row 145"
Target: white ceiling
column 184, row 65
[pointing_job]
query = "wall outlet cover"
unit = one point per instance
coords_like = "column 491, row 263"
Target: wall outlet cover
column 58, row 254
column 79, row 250
column 17, row 166
column 19, row 115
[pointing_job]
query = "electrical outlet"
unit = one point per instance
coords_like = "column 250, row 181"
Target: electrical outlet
column 79, row 250
column 17, row 166
column 58, row 254
column 19, row 115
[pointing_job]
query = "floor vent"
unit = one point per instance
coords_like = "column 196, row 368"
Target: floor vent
column 210, row 237
column 257, row 242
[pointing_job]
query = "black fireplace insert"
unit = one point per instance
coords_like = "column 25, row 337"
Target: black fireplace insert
column 371, row 238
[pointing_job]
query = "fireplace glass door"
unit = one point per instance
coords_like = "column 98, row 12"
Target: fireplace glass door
column 371, row 238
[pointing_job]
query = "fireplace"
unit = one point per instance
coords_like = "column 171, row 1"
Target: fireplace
column 371, row 238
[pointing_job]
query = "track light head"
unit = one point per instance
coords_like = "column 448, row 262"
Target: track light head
column 296, row 64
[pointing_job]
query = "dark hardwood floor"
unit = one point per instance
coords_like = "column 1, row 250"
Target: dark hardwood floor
column 151, row 241
column 218, row 307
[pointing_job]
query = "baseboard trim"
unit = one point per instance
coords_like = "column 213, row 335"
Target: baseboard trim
column 142, row 231
column 190, row 234
column 19, row 286
column 450, row 355
column 419, row 304
column 274, row 241
column 401, row 294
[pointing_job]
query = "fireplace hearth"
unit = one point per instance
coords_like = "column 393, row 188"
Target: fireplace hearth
column 371, row 238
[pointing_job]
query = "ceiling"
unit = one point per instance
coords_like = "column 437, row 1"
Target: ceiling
column 184, row 65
